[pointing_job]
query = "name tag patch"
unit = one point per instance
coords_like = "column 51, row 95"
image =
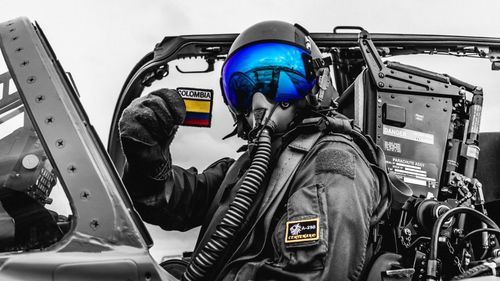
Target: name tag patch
column 302, row 231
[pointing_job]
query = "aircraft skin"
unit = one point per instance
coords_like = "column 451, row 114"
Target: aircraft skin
column 106, row 239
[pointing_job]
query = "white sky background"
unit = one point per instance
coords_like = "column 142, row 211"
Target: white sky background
column 100, row 41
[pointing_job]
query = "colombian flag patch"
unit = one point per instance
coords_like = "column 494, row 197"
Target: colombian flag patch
column 198, row 106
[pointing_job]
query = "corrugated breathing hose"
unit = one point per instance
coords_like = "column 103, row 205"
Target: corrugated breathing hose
column 211, row 252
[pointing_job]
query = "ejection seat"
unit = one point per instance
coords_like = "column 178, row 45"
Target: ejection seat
column 409, row 113
column 413, row 130
column 411, row 126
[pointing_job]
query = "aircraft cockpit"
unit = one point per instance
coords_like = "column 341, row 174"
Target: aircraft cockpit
column 34, row 212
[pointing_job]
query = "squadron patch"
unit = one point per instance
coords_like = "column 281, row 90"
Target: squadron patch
column 198, row 106
column 302, row 231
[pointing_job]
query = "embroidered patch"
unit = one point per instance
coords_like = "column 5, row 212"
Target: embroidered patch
column 302, row 231
column 198, row 106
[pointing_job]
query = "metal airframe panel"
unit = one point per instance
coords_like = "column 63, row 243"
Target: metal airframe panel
column 88, row 181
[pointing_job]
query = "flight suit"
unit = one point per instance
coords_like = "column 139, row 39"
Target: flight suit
column 319, row 230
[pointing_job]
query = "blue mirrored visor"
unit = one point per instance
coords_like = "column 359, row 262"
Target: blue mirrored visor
column 280, row 71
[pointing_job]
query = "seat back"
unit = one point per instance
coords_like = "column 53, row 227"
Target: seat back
column 411, row 128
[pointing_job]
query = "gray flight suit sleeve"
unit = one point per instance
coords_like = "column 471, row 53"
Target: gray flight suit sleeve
column 335, row 192
column 181, row 201
column 336, row 185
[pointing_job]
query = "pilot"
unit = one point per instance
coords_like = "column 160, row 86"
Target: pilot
column 302, row 201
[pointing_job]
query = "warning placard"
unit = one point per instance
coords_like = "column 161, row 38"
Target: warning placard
column 408, row 134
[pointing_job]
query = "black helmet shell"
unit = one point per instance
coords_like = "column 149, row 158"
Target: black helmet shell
column 271, row 31
column 282, row 32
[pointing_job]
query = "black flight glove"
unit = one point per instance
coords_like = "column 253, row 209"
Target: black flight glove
column 147, row 127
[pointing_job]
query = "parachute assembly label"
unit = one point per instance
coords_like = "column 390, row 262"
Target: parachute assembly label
column 412, row 172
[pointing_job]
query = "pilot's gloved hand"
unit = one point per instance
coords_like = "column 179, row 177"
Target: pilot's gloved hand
column 147, row 127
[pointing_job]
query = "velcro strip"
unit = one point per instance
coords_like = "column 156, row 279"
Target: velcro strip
column 335, row 161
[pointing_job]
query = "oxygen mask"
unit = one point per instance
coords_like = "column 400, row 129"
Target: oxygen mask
column 274, row 116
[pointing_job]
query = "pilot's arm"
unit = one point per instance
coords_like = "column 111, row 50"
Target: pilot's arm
column 336, row 187
column 169, row 196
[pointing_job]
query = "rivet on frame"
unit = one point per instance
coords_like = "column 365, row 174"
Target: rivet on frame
column 39, row 98
column 85, row 195
column 71, row 169
column 94, row 224
column 60, row 143
column 31, row 79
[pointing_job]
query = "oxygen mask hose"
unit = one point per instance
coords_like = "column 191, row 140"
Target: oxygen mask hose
column 213, row 250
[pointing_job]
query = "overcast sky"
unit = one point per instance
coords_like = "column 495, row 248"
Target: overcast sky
column 100, row 41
